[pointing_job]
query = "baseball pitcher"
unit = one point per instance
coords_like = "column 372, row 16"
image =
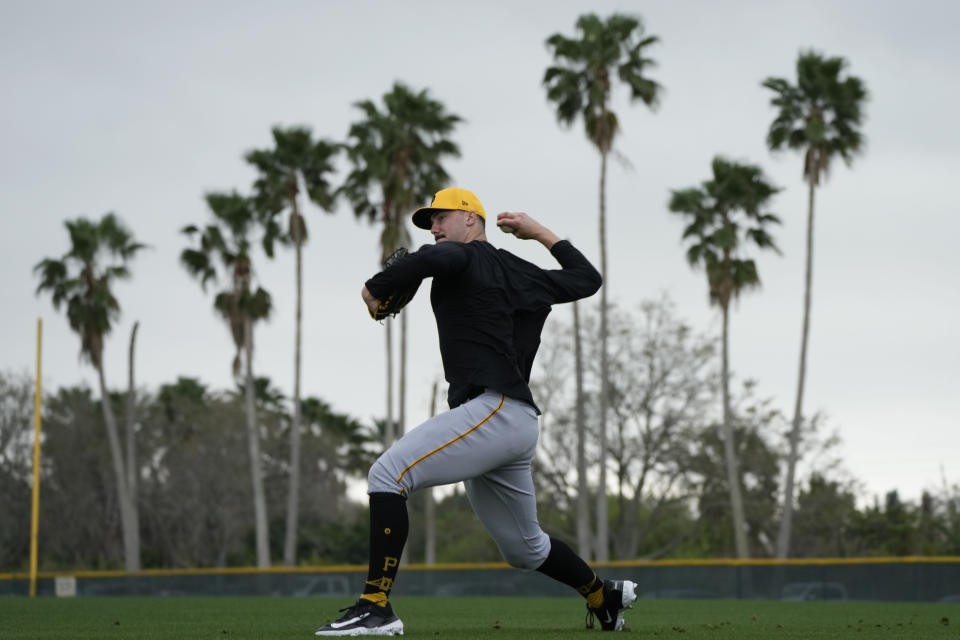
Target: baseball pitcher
column 490, row 308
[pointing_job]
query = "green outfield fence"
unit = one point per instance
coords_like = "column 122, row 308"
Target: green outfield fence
column 912, row 579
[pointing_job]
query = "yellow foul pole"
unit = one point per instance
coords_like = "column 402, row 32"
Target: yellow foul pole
column 34, row 524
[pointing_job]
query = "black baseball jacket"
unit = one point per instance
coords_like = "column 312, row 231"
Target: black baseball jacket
column 490, row 308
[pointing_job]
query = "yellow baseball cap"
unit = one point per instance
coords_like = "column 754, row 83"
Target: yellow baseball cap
column 452, row 199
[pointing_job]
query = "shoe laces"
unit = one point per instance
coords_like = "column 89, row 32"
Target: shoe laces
column 358, row 605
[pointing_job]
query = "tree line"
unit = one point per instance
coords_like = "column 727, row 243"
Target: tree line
column 194, row 497
column 396, row 152
column 668, row 498
column 669, row 494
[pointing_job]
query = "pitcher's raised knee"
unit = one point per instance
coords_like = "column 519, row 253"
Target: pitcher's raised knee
column 382, row 478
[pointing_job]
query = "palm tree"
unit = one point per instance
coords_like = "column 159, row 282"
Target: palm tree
column 724, row 214
column 227, row 241
column 581, row 84
column 295, row 156
column 82, row 279
column 397, row 159
column 820, row 116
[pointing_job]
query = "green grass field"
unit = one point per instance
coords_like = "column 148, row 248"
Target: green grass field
column 468, row 618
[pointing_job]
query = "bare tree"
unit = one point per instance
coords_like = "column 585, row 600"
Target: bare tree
column 665, row 380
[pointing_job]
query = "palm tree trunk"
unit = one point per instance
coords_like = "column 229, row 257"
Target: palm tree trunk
column 293, row 490
column 729, row 451
column 786, row 521
column 621, row 530
column 131, row 465
column 388, row 432
column 429, row 506
column 603, row 554
column 402, row 389
column 131, row 559
column 253, row 445
column 583, row 494
column 401, row 400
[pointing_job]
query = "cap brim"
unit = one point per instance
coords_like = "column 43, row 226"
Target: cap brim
column 421, row 217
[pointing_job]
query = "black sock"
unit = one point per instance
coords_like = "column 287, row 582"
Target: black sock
column 389, row 525
column 566, row 566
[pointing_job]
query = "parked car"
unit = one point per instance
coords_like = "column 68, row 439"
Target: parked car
column 324, row 585
column 678, row 594
column 805, row 591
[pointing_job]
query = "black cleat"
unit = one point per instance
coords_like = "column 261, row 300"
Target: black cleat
column 364, row 619
column 617, row 596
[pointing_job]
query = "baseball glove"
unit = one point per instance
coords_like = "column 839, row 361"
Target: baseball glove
column 398, row 299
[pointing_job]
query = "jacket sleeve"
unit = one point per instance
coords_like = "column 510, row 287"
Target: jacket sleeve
column 430, row 260
column 577, row 278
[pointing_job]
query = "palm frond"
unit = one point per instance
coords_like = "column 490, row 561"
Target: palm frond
column 397, row 154
column 258, row 304
column 197, row 263
column 744, row 276
column 53, row 274
column 99, row 253
column 273, row 233
column 116, row 272
column 820, row 114
column 295, row 155
column 723, row 213
column 579, row 83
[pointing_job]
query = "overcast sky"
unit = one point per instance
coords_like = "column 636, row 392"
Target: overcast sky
column 141, row 108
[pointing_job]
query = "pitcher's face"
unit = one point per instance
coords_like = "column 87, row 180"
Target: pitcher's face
column 450, row 226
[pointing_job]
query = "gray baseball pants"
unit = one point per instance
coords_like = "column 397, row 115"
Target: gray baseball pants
column 488, row 443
